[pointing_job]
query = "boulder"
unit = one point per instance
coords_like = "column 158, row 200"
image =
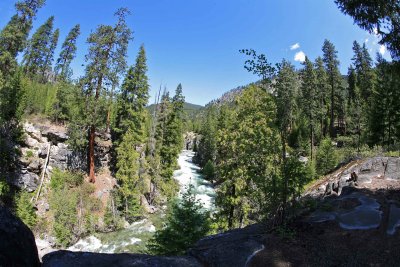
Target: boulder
column 17, row 246
column 25, row 180
column 65, row 258
column 232, row 248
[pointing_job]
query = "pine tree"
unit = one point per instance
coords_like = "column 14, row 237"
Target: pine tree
column 207, row 149
column 38, row 49
column 309, row 100
column 173, row 135
column 107, row 53
column 286, row 87
column 131, row 120
column 384, row 122
column 67, row 54
column 322, row 92
column 186, row 223
column 381, row 16
column 331, row 62
column 47, row 66
column 14, row 35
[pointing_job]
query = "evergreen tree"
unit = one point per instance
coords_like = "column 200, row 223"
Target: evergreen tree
column 248, row 147
column 309, row 99
column 326, row 157
column 381, row 16
column 67, row 54
column 38, row 49
column 14, row 35
column 354, row 106
column 207, row 150
column 331, row 62
column 173, row 135
column 47, row 66
column 286, row 87
column 131, row 121
column 323, row 98
column 107, row 53
column 25, row 210
column 384, row 122
column 186, row 223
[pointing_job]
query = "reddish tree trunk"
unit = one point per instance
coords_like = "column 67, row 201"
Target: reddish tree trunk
column 92, row 178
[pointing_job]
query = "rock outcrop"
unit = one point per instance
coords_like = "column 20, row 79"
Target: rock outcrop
column 86, row 259
column 191, row 140
column 35, row 149
column 17, row 243
column 370, row 173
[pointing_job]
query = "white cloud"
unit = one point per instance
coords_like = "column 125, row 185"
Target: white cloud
column 300, row 56
column 295, row 46
column 382, row 50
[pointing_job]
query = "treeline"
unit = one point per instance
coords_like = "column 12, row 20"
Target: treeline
column 111, row 98
column 279, row 134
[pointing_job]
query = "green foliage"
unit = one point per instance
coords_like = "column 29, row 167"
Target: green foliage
column 130, row 132
column 248, row 150
column 61, row 179
column 326, row 157
column 185, row 224
column 4, row 188
column 381, row 16
column 63, row 206
column 209, row 170
column 24, row 209
column 67, row 54
column 73, row 207
column 37, row 55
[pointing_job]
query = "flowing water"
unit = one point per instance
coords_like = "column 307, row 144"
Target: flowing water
column 133, row 238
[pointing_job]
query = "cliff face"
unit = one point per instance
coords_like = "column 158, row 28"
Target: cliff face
column 43, row 139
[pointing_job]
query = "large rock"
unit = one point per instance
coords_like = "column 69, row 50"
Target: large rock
column 17, row 243
column 25, row 180
column 86, row 259
column 230, row 249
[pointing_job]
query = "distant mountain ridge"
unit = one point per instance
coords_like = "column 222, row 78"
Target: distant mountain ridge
column 190, row 109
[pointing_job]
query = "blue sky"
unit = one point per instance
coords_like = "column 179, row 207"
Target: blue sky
column 196, row 43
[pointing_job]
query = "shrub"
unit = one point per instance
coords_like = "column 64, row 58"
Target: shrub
column 326, row 157
column 61, row 179
column 25, row 210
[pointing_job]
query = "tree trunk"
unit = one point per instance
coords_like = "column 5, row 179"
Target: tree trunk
column 332, row 122
column 92, row 178
column 231, row 211
column 92, row 134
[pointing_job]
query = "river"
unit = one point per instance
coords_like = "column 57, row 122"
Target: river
column 134, row 237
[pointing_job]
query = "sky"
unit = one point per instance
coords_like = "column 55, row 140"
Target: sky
column 197, row 43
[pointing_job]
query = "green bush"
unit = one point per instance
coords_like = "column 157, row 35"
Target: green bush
column 29, row 154
column 186, row 223
column 61, row 179
column 326, row 157
column 25, row 210
column 63, row 206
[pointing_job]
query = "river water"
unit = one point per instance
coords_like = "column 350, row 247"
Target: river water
column 133, row 238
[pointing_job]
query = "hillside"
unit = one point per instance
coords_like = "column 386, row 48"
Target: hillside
column 190, row 109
